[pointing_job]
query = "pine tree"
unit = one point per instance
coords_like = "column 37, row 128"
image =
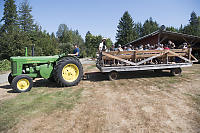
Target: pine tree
column 61, row 29
column 149, row 26
column 125, row 29
column 171, row 28
column 9, row 36
column 9, row 16
column 193, row 27
column 26, row 21
column 138, row 29
column 181, row 29
column 193, row 19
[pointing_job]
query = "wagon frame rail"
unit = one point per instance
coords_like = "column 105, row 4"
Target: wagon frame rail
column 139, row 60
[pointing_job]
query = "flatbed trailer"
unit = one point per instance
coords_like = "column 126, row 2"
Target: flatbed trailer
column 157, row 60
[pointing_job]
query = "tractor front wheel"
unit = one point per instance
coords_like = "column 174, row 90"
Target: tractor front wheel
column 10, row 78
column 22, row 83
column 68, row 71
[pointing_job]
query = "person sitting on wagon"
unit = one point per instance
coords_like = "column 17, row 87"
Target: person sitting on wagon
column 125, row 48
column 166, row 47
column 160, row 47
column 129, row 48
column 185, row 45
column 112, row 47
column 141, row 47
column 120, row 48
column 171, row 44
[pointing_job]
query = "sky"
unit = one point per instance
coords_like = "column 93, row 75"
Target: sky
column 101, row 17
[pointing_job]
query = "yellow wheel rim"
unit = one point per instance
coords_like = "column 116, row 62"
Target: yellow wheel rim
column 70, row 72
column 23, row 84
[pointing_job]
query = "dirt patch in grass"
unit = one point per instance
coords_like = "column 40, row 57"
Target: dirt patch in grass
column 136, row 102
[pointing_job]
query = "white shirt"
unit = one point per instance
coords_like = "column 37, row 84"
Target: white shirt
column 101, row 46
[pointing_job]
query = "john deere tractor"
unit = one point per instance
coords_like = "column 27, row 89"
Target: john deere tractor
column 64, row 70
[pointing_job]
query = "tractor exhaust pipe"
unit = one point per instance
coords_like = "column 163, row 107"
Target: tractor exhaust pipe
column 26, row 51
column 33, row 51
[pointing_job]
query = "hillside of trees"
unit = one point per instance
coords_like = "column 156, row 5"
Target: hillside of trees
column 18, row 30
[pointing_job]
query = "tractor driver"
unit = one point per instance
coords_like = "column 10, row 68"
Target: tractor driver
column 76, row 51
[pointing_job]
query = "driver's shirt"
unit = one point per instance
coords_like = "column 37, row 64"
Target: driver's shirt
column 76, row 50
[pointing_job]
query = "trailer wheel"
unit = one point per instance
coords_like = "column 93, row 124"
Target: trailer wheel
column 22, row 83
column 10, row 78
column 113, row 75
column 68, row 71
column 176, row 71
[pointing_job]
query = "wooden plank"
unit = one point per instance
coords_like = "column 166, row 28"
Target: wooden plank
column 145, row 51
column 150, row 51
column 189, row 53
column 179, row 56
column 150, row 55
column 195, row 59
column 179, row 50
column 145, row 60
column 124, row 56
column 140, row 56
column 120, row 52
column 117, row 58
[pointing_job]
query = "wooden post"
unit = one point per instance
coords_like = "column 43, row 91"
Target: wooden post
column 167, row 58
column 189, row 53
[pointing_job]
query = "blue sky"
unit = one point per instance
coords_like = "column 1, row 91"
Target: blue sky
column 101, row 17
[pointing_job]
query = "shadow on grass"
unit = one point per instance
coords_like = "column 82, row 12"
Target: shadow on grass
column 36, row 83
column 44, row 83
column 5, row 86
column 99, row 76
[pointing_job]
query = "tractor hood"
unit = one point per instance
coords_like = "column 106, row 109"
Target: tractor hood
column 35, row 59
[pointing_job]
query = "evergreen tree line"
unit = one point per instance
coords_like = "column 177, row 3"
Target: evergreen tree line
column 19, row 30
column 128, row 30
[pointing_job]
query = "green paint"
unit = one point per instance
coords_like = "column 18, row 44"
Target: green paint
column 34, row 66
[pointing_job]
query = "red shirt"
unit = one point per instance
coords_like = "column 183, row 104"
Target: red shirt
column 167, row 48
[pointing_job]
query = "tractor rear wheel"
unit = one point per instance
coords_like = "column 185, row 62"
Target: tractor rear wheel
column 22, row 83
column 68, row 71
column 10, row 78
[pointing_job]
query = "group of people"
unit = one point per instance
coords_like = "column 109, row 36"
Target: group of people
column 103, row 47
column 169, row 45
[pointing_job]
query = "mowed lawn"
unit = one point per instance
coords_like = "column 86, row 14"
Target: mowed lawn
column 137, row 102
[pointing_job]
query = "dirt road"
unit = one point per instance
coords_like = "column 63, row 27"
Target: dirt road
column 4, row 77
column 137, row 102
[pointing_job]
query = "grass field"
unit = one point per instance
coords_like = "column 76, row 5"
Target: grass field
column 137, row 102
column 35, row 102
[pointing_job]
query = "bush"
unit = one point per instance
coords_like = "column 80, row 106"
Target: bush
column 4, row 65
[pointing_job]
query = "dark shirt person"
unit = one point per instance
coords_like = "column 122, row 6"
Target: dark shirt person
column 76, row 51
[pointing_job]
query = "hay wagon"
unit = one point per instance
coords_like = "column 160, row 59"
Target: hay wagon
column 156, row 60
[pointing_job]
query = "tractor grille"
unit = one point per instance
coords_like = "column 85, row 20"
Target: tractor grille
column 14, row 67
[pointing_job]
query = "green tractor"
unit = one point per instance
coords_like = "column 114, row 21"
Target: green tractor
column 63, row 69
